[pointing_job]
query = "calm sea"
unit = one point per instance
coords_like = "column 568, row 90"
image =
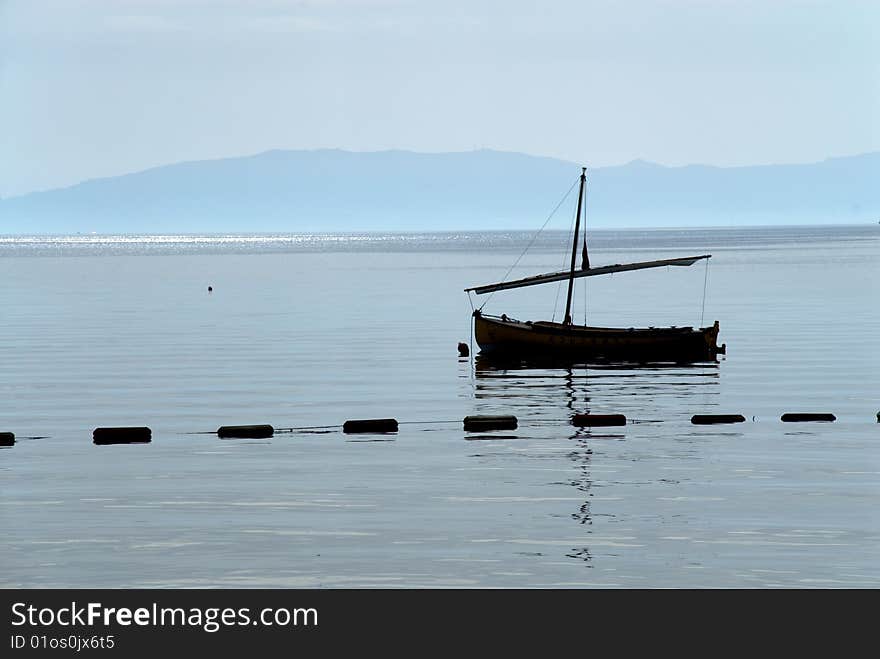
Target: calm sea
column 306, row 331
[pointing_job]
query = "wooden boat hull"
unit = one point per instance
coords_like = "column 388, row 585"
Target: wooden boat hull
column 503, row 336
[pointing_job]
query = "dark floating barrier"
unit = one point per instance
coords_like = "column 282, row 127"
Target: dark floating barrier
column 808, row 416
column 369, row 425
column 131, row 435
column 245, row 432
column 598, row 420
column 490, row 422
column 7, row 439
column 705, row 419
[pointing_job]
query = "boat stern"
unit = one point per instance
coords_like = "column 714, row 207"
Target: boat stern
column 710, row 334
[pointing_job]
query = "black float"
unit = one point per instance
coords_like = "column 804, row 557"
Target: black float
column 245, row 432
column 591, row 420
column 807, row 416
column 128, row 435
column 705, row 419
column 369, row 425
column 7, row 439
column 490, row 422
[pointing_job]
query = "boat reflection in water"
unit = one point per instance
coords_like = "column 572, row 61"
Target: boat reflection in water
column 546, row 395
column 555, row 389
column 546, row 372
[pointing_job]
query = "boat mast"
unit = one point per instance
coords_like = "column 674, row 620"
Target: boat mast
column 574, row 245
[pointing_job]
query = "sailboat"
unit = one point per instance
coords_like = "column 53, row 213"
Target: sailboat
column 505, row 337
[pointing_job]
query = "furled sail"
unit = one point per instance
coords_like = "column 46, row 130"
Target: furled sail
column 587, row 272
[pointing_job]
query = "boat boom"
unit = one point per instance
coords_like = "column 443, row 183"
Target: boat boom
column 589, row 272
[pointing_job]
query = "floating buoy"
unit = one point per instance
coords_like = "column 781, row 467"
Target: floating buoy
column 370, row 425
column 131, row 435
column 489, row 422
column 808, row 416
column 598, row 420
column 210, row 289
column 704, row 419
column 245, row 432
column 463, row 350
column 7, row 439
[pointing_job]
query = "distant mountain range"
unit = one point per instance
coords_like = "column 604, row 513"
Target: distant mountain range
column 332, row 190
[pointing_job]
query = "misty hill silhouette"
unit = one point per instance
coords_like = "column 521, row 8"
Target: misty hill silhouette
column 333, row 190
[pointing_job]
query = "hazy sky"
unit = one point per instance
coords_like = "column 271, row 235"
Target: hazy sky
column 101, row 87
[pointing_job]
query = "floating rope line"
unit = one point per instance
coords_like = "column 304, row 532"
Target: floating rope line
column 532, row 241
column 296, row 429
column 698, row 419
column 427, row 422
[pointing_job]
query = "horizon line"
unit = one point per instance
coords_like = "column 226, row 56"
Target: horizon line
column 385, row 232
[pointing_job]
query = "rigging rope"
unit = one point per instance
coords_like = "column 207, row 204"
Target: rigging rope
column 705, row 285
column 585, row 304
column 585, row 259
column 556, row 301
column 564, row 258
column 471, row 351
column 532, row 241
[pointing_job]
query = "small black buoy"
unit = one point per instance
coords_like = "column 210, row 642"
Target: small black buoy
column 245, row 432
column 807, row 416
column 7, row 439
column 705, row 419
column 370, row 425
column 132, row 435
column 463, row 350
column 598, row 420
column 490, row 422
column 210, row 289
